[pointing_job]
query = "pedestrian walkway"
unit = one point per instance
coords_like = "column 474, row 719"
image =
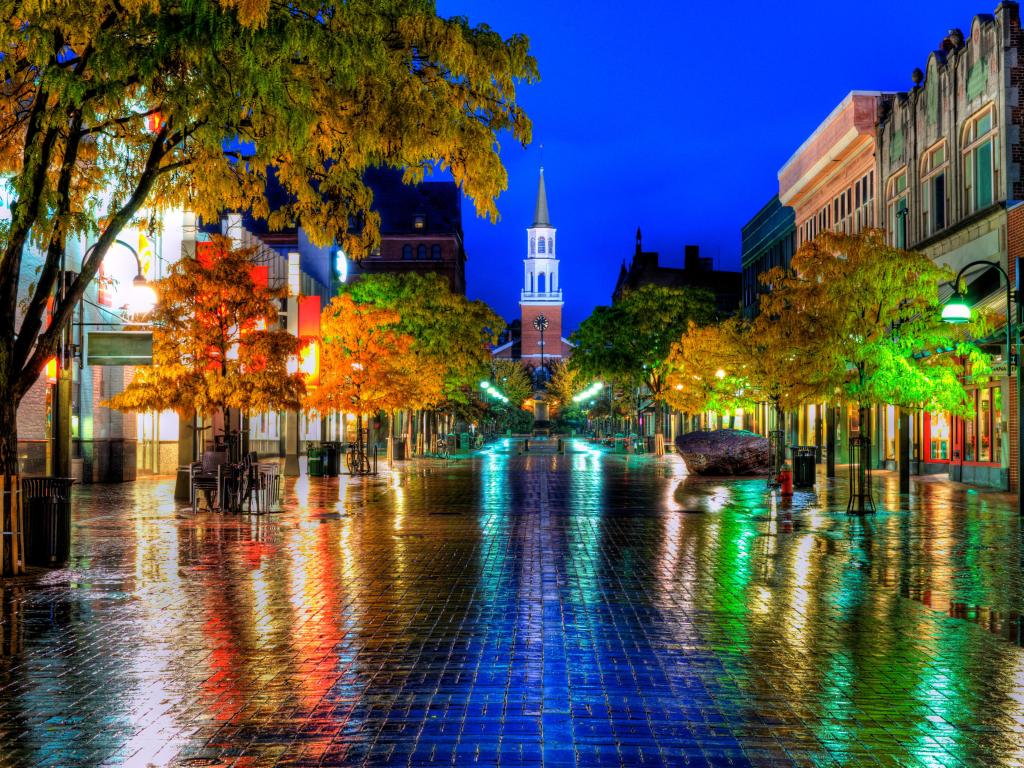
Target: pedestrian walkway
column 556, row 610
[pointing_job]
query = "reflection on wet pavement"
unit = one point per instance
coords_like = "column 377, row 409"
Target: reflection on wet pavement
column 582, row 609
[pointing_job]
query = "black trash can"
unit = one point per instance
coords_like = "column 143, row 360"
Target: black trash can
column 398, row 448
column 804, row 459
column 47, row 508
column 331, row 454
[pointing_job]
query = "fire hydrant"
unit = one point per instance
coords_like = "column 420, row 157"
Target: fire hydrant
column 786, row 480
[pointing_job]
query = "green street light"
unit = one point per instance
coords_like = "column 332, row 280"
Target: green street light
column 485, row 385
column 956, row 311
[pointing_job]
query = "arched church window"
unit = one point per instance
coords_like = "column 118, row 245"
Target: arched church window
column 531, row 282
column 421, row 252
column 541, row 246
column 540, row 283
column 533, row 245
column 551, row 245
column 406, row 251
column 435, row 252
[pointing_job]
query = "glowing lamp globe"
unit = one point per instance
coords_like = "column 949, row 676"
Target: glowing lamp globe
column 142, row 298
column 956, row 311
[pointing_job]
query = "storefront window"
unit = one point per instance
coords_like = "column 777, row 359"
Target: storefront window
column 985, row 425
column 939, row 437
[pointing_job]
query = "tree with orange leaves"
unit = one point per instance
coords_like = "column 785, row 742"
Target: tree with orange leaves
column 214, row 345
column 368, row 365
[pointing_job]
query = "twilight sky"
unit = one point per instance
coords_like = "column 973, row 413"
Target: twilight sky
column 675, row 117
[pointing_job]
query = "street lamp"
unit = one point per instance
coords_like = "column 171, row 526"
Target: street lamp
column 142, row 298
column 957, row 312
column 541, row 324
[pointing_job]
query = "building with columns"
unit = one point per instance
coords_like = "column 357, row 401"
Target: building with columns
column 540, row 300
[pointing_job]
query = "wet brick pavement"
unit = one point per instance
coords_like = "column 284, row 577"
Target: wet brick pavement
column 548, row 610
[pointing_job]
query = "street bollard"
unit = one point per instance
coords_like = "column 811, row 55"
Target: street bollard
column 561, row 445
column 526, row 445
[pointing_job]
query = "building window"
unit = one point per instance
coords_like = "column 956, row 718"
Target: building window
column 938, row 437
column 551, row 245
column 541, row 245
column 406, row 251
column 420, row 222
column 981, row 164
column 435, row 252
column 421, row 252
column 933, row 189
column 896, row 197
column 533, row 245
column 540, row 283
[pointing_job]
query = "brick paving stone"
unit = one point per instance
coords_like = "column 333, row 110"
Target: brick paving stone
column 586, row 609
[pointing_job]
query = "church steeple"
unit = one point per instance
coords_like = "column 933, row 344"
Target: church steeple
column 541, row 218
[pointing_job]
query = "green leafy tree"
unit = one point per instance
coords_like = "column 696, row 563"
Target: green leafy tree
column 866, row 322
column 213, row 343
column 450, row 332
column 512, row 379
column 630, row 341
column 116, row 109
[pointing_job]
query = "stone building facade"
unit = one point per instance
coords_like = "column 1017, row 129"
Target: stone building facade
column 949, row 164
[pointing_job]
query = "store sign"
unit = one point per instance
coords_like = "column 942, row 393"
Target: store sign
column 119, row 348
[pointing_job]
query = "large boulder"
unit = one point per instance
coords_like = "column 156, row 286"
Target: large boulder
column 724, row 452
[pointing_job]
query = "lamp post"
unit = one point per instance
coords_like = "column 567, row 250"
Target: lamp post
column 541, row 324
column 957, row 311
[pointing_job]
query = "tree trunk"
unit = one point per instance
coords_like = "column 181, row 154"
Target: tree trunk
column 8, row 436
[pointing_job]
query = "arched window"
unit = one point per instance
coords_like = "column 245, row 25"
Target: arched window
column 531, row 282
column 533, row 245
column 406, row 251
column 540, row 283
column 435, row 252
column 551, row 282
column 981, row 160
column 551, row 245
column 541, row 250
column 896, row 206
column 421, row 252
column 934, row 164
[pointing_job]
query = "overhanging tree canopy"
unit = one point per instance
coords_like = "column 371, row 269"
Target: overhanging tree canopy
column 114, row 109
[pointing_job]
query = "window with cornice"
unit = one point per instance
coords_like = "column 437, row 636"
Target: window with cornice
column 981, row 161
column 934, row 203
column 896, row 207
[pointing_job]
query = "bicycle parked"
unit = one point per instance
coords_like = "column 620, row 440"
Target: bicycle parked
column 357, row 461
column 442, row 448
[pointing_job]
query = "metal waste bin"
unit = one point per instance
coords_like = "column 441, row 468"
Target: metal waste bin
column 314, row 461
column 464, row 441
column 398, row 448
column 804, row 460
column 332, row 459
column 47, row 503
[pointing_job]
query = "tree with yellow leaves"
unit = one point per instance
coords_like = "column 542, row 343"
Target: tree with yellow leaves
column 114, row 110
column 214, row 342
column 708, row 370
column 368, row 365
column 859, row 319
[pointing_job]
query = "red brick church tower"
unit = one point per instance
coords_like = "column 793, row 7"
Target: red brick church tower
column 540, row 301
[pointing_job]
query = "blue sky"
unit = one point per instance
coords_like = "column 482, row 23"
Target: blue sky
column 675, row 117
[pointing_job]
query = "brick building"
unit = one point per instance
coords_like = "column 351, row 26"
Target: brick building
column 645, row 268
column 949, row 164
column 420, row 227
